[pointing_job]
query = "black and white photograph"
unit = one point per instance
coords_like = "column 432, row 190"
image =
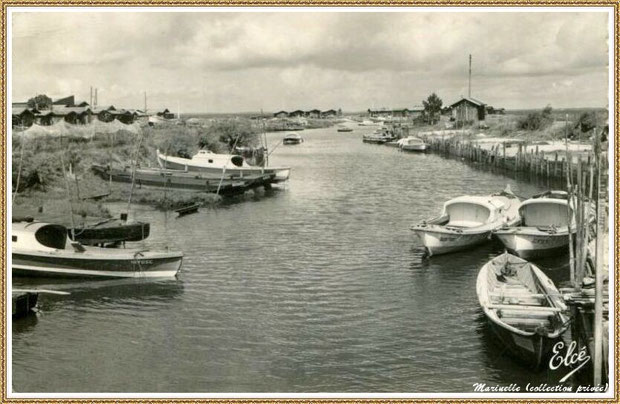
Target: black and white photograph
column 310, row 202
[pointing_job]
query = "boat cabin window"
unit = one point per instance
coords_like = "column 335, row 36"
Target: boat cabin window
column 13, row 238
column 210, row 160
column 52, row 236
column 464, row 214
column 547, row 214
column 237, row 160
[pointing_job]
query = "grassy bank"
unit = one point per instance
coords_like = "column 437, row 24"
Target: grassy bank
column 44, row 191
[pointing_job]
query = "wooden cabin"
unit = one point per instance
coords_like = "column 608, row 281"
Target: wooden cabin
column 23, row 117
column 281, row 114
column 468, row 111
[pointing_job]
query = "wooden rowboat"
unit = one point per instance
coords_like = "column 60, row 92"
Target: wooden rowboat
column 186, row 210
column 523, row 307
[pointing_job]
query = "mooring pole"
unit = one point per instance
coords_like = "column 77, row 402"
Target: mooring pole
column 600, row 262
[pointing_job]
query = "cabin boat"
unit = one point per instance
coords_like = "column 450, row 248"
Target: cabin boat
column 206, row 161
column 543, row 230
column 227, row 184
column 43, row 249
column 378, row 137
column 110, row 231
column 413, row 144
column 292, row 138
column 467, row 221
column 522, row 306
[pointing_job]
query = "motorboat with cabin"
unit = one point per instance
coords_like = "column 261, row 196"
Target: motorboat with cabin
column 412, row 144
column 544, row 227
column 44, row 250
column 222, row 164
column 467, row 221
column 292, row 138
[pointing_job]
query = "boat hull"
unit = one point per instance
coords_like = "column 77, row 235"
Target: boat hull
column 71, row 265
column 414, row 148
column 231, row 184
column 437, row 242
column 291, row 141
column 529, row 350
column 532, row 246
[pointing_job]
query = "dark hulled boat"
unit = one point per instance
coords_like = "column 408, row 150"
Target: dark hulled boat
column 110, row 231
column 231, row 184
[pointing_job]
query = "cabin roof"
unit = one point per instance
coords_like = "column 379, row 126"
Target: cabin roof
column 470, row 100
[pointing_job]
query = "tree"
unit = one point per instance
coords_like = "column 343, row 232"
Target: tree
column 41, row 101
column 432, row 108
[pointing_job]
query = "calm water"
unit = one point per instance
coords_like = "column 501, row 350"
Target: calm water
column 318, row 286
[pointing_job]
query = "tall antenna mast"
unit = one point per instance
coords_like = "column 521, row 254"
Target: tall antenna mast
column 91, row 96
column 469, row 92
column 95, row 98
column 145, row 101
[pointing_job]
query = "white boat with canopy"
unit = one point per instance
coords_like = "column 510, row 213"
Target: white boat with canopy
column 544, row 226
column 229, row 164
column 467, row 221
column 412, row 144
column 43, row 249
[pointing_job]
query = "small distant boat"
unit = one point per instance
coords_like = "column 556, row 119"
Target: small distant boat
column 413, row 144
column 543, row 230
column 43, row 249
column 186, row 210
column 378, row 137
column 220, row 164
column 292, row 138
column 468, row 221
column 110, row 231
column 366, row 123
column 523, row 307
column 344, row 129
column 227, row 184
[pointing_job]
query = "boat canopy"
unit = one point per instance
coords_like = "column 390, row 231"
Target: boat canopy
column 544, row 212
column 207, row 158
column 36, row 235
column 471, row 211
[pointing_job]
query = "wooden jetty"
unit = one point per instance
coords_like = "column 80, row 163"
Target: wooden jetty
column 584, row 175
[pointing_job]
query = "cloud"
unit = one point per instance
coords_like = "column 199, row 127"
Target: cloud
column 228, row 61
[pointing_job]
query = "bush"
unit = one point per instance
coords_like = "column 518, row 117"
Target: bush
column 536, row 120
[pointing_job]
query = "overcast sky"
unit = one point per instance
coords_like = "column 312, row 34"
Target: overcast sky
column 239, row 61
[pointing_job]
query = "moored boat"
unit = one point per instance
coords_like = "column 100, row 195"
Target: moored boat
column 412, row 144
column 544, row 227
column 467, row 221
column 220, row 164
column 378, row 137
column 344, row 129
column 227, row 184
column 523, row 307
column 43, row 249
column 292, row 138
column 110, row 231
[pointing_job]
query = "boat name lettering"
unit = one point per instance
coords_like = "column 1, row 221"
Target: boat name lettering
column 568, row 359
column 142, row 262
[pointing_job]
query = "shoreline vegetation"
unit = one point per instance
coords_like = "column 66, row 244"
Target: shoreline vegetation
column 38, row 160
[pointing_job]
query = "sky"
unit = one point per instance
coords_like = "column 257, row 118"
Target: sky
column 247, row 61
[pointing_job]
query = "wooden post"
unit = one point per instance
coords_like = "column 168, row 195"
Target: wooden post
column 579, row 226
column 598, row 291
column 570, row 209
